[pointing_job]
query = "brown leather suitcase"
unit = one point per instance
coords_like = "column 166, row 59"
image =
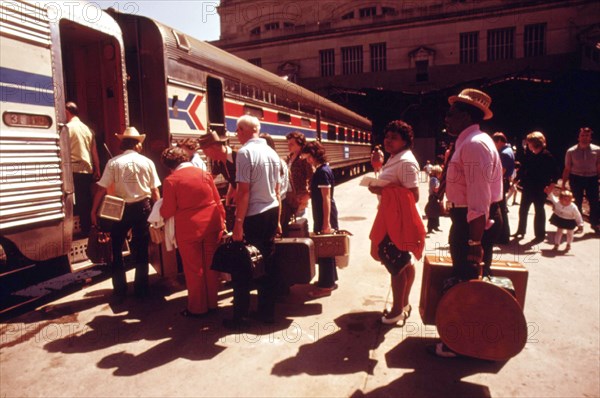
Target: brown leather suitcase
column 481, row 320
column 297, row 228
column 436, row 269
column 295, row 258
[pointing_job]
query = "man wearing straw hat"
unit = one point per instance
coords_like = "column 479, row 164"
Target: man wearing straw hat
column 473, row 188
column 135, row 180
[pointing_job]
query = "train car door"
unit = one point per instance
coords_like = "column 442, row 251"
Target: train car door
column 93, row 78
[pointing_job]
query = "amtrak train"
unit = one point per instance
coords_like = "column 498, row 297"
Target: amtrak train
column 124, row 70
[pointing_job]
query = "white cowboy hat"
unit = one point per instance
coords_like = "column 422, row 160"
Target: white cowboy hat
column 131, row 132
column 475, row 98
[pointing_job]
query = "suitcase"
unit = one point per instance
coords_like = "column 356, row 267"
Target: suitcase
column 481, row 320
column 331, row 245
column 163, row 261
column 436, row 269
column 295, row 259
column 297, row 228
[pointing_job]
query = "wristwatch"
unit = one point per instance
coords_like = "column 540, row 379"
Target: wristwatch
column 474, row 242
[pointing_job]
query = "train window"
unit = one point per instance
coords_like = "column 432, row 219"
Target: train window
column 254, row 111
column 16, row 119
column 182, row 41
column 304, row 122
column 341, row 134
column 331, row 132
column 284, row 117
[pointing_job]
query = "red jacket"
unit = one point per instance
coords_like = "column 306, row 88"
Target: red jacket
column 190, row 195
column 398, row 217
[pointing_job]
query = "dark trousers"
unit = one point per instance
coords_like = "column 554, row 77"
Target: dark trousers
column 83, row 200
column 135, row 217
column 259, row 231
column 504, row 234
column 491, row 236
column 433, row 223
column 589, row 187
column 327, row 272
column 459, row 246
column 538, row 198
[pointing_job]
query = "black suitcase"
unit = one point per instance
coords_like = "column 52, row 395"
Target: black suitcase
column 295, row 259
column 297, row 228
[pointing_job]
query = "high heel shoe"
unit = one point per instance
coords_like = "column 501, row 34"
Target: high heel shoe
column 394, row 320
column 407, row 310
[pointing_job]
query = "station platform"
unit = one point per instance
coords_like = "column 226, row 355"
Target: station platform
column 85, row 345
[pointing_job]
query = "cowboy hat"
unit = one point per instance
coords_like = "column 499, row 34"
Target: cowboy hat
column 211, row 138
column 131, row 132
column 476, row 98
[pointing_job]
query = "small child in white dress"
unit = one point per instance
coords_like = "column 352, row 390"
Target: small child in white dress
column 565, row 217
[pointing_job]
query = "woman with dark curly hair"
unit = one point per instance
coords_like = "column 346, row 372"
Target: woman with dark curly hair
column 401, row 172
column 296, row 199
column 324, row 213
column 190, row 195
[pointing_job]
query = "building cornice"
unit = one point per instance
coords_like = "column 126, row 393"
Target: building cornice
column 404, row 23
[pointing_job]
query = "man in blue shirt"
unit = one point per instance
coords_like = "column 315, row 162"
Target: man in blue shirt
column 507, row 158
column 257, row 217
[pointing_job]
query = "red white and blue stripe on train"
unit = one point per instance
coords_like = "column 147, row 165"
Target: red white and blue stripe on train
column 187, row 115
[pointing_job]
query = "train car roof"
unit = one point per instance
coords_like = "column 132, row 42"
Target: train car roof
column 222, row 63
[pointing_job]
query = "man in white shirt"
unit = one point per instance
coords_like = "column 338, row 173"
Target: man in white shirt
column 135, row 180
column 473, row 189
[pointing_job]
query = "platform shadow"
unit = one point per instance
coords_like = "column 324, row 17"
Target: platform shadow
column 344, row 350
column 149, row 320
column 431, row 376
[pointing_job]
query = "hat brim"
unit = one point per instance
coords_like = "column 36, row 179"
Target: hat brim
column 487, row 113
column 212, row 141
column 140, row 137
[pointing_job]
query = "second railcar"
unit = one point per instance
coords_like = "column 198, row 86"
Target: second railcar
column 182, row 87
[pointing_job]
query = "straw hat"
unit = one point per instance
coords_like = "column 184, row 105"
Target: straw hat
column 475, row 98
column 211, row 138
column 131, row 132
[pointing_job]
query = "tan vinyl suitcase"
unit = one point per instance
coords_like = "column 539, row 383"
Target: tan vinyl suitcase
column 436, row 269
column 331, row 245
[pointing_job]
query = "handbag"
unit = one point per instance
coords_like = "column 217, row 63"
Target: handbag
column 240, row 259
column 391, row 256
column 99, row 247
column 157, row 234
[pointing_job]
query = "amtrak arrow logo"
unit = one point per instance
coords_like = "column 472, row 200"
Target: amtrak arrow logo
column 186, row 110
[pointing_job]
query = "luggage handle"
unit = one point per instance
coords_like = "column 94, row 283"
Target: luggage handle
column 336, row 232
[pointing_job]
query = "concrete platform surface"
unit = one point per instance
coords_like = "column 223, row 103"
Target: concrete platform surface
column 84, row 345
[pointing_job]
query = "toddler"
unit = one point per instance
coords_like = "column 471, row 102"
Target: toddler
column 433, row 207
column 565, row 217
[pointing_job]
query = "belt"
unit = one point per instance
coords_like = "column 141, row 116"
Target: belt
column 452, row 205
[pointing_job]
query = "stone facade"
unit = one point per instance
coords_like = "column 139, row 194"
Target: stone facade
column 413, row 46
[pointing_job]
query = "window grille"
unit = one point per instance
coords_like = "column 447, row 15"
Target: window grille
column 534, row 40
column 469, row 47
column 327, row 62
column 501, row 44
column 352, row 60
column 378, row 57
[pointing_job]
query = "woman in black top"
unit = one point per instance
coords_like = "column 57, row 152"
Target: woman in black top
column 324, row 213
column 538, row 171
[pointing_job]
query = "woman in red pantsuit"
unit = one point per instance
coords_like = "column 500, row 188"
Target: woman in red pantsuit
column 190, row 195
